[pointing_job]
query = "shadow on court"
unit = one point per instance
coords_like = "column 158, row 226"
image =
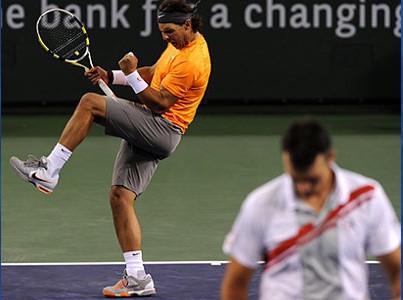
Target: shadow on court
column 173, row 281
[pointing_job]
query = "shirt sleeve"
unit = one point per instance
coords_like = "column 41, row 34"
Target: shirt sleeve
column 384, row 231
column 180, row 78
column 245, row 242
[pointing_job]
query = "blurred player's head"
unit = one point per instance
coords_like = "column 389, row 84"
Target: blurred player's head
column 307, row 154
column 177, row 21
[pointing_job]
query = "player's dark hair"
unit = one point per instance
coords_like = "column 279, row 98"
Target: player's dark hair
column 304, row 140
column 181, row 6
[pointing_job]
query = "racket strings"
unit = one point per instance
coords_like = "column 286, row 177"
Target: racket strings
column 63, row 35
column 69, row 49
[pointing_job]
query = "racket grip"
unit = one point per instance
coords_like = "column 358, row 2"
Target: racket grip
column 106, row 89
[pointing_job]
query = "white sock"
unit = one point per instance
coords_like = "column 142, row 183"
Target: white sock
column 134, row 264
column 57, row 158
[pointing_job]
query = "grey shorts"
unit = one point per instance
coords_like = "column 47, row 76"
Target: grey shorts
column 147, row 139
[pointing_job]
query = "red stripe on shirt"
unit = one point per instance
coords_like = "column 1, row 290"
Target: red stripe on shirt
column 309, row 231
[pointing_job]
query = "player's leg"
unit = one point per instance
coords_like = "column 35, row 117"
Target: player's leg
column 135, row 280
column 127, row 226
column 92, row 106
column 146, row 138
column 132, row 172
column 44, row 172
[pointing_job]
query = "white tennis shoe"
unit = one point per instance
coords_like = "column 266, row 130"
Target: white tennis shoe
column 131, row 286
column 34, row 170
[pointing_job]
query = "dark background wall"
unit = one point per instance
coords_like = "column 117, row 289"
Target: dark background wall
column 260, row 50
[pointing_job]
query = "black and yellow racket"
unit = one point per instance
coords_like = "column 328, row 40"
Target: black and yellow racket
column 64, row 36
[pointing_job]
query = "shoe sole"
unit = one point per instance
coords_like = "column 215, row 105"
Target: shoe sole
column 145, row 293
column 24, row 177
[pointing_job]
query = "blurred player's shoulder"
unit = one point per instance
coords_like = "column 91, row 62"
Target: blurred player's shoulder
column 354, row 180
column 270, row 195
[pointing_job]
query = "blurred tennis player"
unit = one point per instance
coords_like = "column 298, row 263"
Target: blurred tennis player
column 171, row 91
column 313, row 226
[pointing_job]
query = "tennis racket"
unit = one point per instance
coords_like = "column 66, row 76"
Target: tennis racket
column 63, row 35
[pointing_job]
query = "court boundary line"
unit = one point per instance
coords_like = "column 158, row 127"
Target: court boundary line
column 190, row 262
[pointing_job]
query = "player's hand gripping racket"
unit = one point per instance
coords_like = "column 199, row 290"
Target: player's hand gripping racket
column 64, row 36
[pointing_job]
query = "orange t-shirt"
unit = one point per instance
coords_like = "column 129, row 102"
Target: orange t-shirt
column 185, row 74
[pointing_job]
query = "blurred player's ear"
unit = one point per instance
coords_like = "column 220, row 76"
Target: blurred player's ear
column 331, row 157
column 188, row 24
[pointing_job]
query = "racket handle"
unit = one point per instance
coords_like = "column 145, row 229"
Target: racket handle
column 106, row 89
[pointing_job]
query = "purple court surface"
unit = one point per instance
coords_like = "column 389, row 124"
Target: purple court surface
column 174, row 281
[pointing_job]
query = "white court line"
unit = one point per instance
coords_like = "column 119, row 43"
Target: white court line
column 213, row 263
column 113, row 263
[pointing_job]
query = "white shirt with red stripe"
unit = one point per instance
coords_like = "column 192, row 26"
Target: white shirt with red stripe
column 311, row 256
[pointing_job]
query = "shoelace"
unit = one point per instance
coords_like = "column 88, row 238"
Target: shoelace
column 32, row 161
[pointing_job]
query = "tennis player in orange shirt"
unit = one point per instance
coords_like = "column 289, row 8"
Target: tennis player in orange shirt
column 170, row 90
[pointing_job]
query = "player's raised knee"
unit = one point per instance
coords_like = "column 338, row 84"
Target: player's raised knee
column 88, row 98
column 91, row 102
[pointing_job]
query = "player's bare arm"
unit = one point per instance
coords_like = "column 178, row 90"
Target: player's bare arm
column 391, row 264
column 236, row 281
column 158, row 101
column 147, row 73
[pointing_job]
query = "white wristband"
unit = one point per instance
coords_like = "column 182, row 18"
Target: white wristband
column 136, row 82
column 119, row 77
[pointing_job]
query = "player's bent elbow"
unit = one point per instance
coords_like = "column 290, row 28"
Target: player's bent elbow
column 161, row 108
column 159, row 111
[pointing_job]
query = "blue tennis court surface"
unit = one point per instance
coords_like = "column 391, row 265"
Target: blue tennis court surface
column 173, row 281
